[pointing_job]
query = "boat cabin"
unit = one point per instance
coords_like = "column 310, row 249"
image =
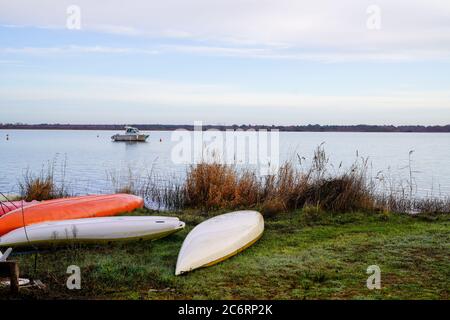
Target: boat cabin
column 131, row 130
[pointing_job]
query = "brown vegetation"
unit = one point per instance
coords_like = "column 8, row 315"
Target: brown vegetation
column 212, row 186
column 44, row 186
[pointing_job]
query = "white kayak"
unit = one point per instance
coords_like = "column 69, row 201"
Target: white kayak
column 219, row 238
column 93, row 230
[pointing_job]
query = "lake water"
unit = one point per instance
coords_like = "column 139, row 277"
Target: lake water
column 92, row 158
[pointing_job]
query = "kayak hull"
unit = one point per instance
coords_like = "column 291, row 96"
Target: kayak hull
column 92, row 231
column 70, row 208
column 218, row 239
column 7, row 206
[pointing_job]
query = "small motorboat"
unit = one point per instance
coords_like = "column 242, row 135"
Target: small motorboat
column 131, row 134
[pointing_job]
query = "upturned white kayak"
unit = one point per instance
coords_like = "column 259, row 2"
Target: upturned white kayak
column 92, row 230
column 219, row 238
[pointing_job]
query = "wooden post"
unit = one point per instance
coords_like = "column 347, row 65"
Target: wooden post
column 10, row 269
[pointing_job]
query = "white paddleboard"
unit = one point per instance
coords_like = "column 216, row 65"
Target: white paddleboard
column 219, row 238
column 93, row 230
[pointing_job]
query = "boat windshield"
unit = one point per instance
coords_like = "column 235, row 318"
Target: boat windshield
column 132, row 131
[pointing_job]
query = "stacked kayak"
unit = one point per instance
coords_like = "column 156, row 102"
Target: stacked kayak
column 93, row 230
column 69, row 208
column 87, row 219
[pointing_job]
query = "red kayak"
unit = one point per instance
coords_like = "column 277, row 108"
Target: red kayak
column 7, row 206
column 70, row 208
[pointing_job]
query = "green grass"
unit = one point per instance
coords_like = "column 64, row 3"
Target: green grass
column 302, row 255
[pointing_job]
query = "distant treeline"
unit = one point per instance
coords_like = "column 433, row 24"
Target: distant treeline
column 166, row 127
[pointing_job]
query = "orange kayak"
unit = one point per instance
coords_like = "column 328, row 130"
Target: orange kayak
column 7, row 206
column 70, row 208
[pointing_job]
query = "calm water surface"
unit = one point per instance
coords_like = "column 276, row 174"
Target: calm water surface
column 92, row 159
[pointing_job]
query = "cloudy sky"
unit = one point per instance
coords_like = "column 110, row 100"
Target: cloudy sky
column 225, row 61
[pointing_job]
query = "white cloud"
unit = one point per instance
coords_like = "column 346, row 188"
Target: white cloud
column 115, row 29
column 332, row 30
column 75, row 49
column 281, row 52
column 9, row 61
column 94, row 89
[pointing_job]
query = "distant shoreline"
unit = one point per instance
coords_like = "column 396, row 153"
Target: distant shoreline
column 303, row 128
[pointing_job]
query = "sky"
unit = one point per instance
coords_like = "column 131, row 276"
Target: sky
column 282, row 62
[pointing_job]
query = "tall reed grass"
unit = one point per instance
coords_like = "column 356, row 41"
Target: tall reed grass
column 45, row 185
column 212, row 185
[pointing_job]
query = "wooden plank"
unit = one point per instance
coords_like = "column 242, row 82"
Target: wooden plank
column 10, row 269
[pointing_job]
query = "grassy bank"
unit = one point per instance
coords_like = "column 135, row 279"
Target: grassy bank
column 304, row 254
